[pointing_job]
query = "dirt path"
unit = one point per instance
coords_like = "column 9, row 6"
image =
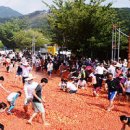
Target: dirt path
column 79, row 111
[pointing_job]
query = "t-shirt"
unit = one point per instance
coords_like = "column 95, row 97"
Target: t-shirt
column 25, row 71
column 127, row 83
column 38, row 91
column 112, row 85
column 12, row 97
column 29, row 89
column 71, row 86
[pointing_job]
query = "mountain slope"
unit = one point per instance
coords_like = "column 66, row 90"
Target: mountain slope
column 6, row 12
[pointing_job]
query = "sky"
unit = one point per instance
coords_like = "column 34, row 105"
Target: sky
column 29, row 6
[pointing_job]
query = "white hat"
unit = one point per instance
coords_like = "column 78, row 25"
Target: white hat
column 25, row 63
column 118, row 65
column 30, row 77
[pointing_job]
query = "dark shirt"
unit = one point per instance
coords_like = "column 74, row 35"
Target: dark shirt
column 112, row 85
column 38, row 91
column 19, row 69
column 128, row 123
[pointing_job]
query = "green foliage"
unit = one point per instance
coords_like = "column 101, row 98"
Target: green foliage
column 24, row 39
column 82, row 27
column 1, row 44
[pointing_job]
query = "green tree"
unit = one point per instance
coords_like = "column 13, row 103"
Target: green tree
column 24, row 39
column 82, row 27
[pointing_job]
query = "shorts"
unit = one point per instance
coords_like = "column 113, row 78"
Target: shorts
column 128, row 93
column 38, row 107
column 72, row 91
column 23, row 79
column 112, row 95
column 27, row 101
column 19, row 73
column 119, row 90
column 50, row 72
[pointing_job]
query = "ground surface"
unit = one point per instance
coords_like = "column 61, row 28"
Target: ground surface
column 79, row 111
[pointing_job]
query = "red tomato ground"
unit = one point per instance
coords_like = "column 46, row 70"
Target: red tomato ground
column 79, row 111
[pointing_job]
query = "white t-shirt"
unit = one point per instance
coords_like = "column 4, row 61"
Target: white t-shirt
column 112, row 70
column 50, row 67
column 127, row 84
column 29, row 89
column 25, row 71
column 71, row 86
column 99, row 70
column 11, row 96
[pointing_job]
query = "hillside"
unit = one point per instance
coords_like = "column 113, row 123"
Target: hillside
column 6, row 12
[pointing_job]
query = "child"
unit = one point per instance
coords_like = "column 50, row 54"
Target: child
column 2, row 106
column 12, row 99
column 125, row 120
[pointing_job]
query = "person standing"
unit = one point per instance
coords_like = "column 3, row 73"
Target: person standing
column 50, row 68
column 111, row 86
column 38, row 102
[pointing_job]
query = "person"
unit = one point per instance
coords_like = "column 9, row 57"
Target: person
column 25, row 71
column 82, row 83
column 50, row 68
column 63, row 84
column 1, row 86
column 29, row 87
column 38, row 102
column 71, row 88
column 125, row 120
column 127, row 86
column 12, row 97
column 111, row 85
column 1, row 126
column 3, row 106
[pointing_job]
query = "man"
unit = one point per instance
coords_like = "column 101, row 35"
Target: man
column 111, row 85
column 37, row 102
column 25, row 71
column 125, row 120
column 29, row 88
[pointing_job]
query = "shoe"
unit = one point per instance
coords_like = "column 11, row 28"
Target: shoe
column 9, row 112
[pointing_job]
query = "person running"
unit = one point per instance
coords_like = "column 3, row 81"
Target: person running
column 111, row 85
column 29, row 87
column 38, row 102
column 125, row 121
column 12, row 97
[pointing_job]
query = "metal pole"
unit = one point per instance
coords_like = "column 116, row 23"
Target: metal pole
column 119, row 45
column 112, row 43
column 129, row 51
column 115, row 45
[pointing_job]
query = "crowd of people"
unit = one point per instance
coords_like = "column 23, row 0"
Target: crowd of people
column 111, row 76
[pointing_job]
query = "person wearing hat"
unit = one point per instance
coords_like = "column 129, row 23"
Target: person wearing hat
column 38, row 102
column 29, row 87
column 25, row 71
